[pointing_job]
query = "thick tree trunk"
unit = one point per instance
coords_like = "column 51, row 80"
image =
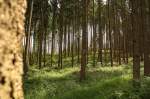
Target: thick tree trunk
column 11, row 32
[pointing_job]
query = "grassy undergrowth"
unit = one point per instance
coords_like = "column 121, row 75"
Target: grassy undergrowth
column 100, row 83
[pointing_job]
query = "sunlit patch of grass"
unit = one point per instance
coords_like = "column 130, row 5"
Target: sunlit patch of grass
column 46, row 72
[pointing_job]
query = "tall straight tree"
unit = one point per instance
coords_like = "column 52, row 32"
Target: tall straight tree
column 94, row 35
column 100, row 31
column 41, row 36
column 26, row 53
column 146, row 21
column 84, row 39
column 109, row 33
column 54, row 5
column 136, row 32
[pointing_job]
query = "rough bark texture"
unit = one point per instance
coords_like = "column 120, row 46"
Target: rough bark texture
column 11, row 32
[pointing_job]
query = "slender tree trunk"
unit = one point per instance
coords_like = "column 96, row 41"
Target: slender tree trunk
column 26, row 53
column 94, row 36
column 53, row 30
column 41, row 39
column 84, row 40
column 72, row 44
column 147, row 39
column 65, row 40
column 110, row 36
column 100, row 33
column 136, row 47
column 45, row 44
column 60, row 37
column 68, row 40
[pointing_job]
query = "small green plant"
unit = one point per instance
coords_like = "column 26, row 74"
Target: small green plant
column 145, row 88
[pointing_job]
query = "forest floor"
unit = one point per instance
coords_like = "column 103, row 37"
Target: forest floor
column 102, row 82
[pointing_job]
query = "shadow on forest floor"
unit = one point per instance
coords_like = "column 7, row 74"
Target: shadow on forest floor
column 100, row 83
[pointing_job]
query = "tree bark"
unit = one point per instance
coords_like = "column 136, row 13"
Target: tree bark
column 11, row 34
column 84, row 40
column 136, row 47
column 147, row 39
column 27, row 46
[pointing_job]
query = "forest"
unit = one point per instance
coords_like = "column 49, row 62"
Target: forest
column 74, row 49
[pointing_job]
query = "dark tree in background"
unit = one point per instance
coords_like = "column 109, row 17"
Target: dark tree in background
column 84, row 39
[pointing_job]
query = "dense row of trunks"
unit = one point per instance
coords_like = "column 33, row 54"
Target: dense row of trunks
column 112, row 32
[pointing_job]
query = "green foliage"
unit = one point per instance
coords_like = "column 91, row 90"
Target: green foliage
column 145, row 89
column 101, row 83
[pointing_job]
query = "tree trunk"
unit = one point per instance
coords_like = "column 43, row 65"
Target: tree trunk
column 136, row 47
column 11, row 33
column 53, row 30
column 27, row 46
column 100, row 33
column 84, row 40
column 94, row 36
column 110, row 36
column 147, row 40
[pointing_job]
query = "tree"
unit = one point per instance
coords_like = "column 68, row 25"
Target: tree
column 136, row 35
column 54, row 5
column 109, row 33
column 100, row 32
column 84, row 39
column 27, row 44
column 94, row 35
column 146, row 30
column 11, row 33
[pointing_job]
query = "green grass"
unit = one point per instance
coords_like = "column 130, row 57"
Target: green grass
column 100, row 83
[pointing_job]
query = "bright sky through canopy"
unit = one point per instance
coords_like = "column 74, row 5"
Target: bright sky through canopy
column 104, row 1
